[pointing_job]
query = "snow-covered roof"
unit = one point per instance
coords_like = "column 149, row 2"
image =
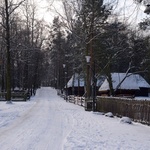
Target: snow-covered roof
column 133, row 81
column 16, row 89
column 80, row 79
column 76, row 79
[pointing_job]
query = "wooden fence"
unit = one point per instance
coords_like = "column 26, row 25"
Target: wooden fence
column 135, row 109
column 76, row 100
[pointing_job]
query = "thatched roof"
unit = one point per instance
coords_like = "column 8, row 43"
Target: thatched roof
column 133, row 81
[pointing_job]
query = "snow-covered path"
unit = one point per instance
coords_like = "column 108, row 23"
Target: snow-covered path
column 43, row 126
column 47, row 122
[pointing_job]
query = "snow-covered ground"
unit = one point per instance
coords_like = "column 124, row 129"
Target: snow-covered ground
column 47, row 122
column 142, row 98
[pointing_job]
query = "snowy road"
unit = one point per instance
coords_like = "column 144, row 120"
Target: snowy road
column 47, row 122
column 41, row 127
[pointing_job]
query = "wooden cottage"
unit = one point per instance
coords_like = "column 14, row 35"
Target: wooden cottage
column 75, row 85
column 132, row 85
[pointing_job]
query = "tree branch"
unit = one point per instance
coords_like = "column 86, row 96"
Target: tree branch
column 16, row 6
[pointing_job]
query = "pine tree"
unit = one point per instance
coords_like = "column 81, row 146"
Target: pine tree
column 93, row 16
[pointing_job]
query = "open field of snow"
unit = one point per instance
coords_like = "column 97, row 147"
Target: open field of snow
column 47, row 122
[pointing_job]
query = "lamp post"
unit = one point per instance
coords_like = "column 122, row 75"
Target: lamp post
column 93, row 81
column 88, row 81
column 65, row 73
column 55, row 83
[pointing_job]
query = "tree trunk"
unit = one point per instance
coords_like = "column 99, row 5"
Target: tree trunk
column 8, row 67
column 110, row 80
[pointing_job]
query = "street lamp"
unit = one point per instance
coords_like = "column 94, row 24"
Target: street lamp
column 93, row 81
column 88, row 59
column 64, row 65
column 65, row 73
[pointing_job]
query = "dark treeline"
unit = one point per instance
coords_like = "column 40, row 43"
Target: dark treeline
column 21, row 44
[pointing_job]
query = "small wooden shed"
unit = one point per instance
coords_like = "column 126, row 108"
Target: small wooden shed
column 75, row 85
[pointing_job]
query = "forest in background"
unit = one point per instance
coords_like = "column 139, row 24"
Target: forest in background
column 32, row 51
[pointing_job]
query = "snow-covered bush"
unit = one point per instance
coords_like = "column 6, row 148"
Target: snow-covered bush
column 109, row 114
column 126, row 120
